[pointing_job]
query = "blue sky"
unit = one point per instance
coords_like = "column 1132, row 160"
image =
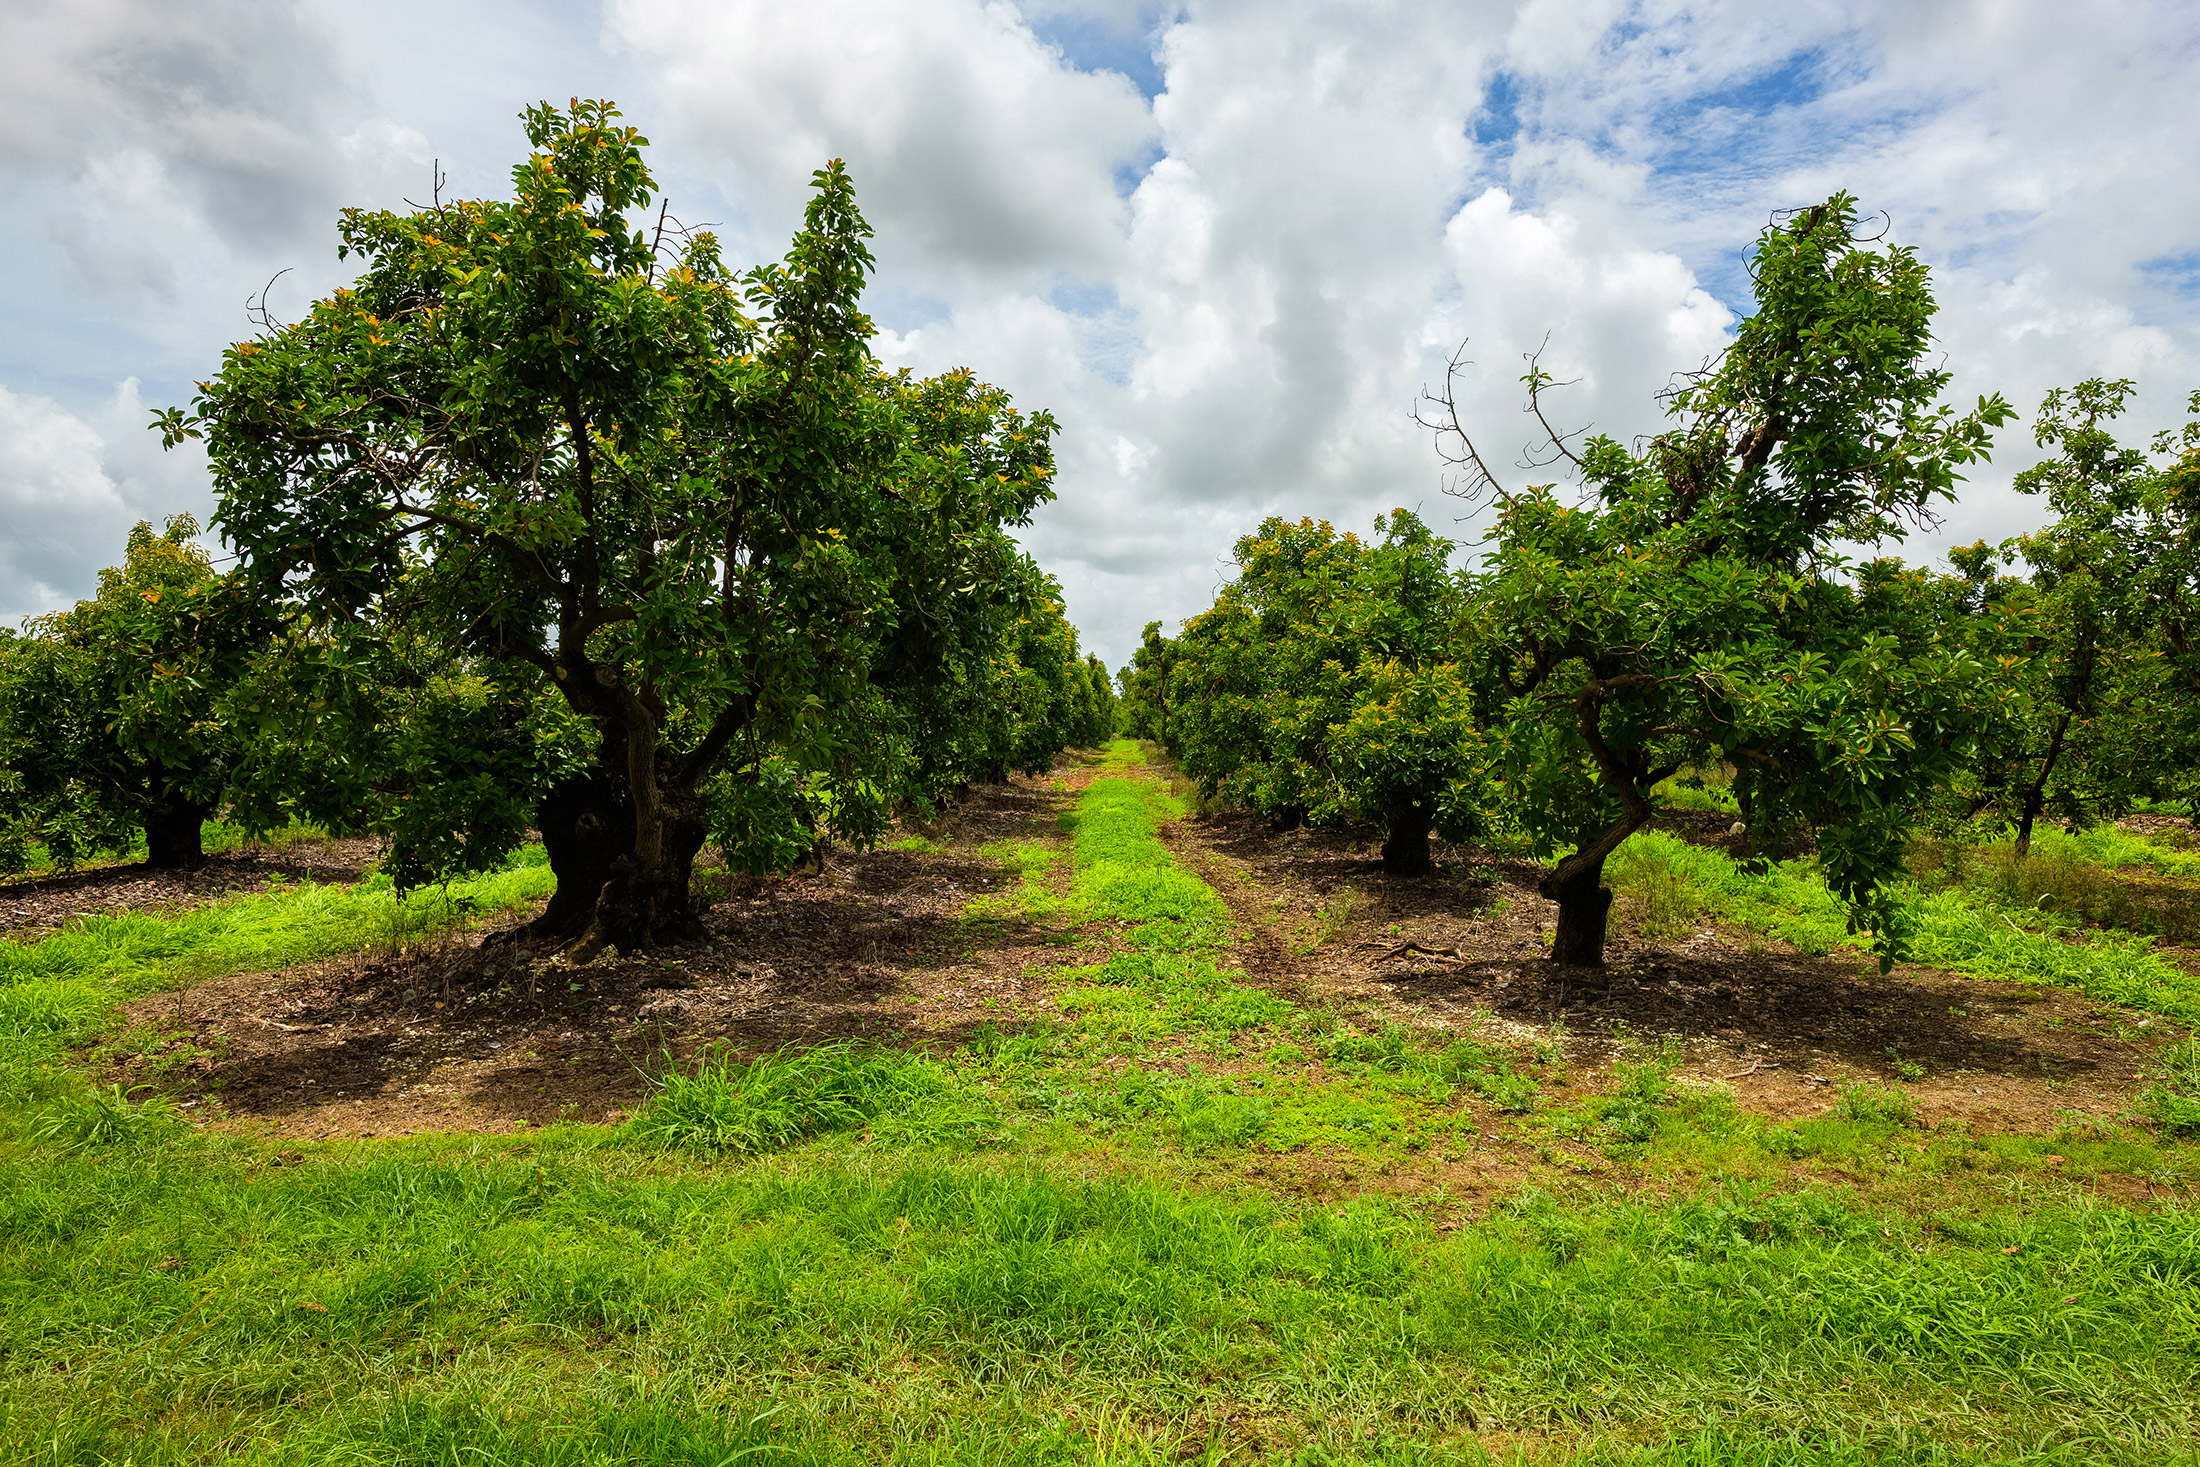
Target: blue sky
column 1226, row 244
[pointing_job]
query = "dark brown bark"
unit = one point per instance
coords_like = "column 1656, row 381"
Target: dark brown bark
column 604, row 897
column 1577, row 883
column 1405, row 849
column 1584, row 913
column 174, row 834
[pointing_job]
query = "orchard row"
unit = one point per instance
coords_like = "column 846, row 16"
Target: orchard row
column 1713, row 600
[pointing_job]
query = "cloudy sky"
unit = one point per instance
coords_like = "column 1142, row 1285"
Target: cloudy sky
column 1226, row 243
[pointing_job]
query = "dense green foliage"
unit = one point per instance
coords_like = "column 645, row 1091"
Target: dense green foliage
column 1695, row 612
column 2097, row 637
column 554, row 461
column 1326, row 681
column 115, row 715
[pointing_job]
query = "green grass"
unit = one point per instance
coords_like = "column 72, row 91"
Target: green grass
column 794, row 1095
column 1952, row 928
column 560, row 1300
column 2172, row 1102
column 61, row 989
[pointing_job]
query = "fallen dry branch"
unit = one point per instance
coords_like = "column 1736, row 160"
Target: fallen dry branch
column 1412, row 949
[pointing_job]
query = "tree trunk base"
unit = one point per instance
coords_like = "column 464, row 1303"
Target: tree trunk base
column 602, row 902
column 1578, row 941
column 174, row 836
column 1584, row 912
column 1405, row 848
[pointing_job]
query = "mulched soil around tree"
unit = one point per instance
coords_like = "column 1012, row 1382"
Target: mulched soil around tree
column 465, row 1036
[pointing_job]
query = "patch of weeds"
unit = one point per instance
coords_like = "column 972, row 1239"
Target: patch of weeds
column 796, row 1094
column 1548, row 1223
column 1329, row 921
column 1874, row 1105
column 1210, row 1114
column 1027, row 861
column 916, row 845
column 156, row 1053
column 1905, row 1069
column 105, row 1116
column 1508, row 1092
column 1354, row 1114
column 1630, row 1112
column 1397, row 1051
column 2172, row 1102
column 1012, row 1049
column 1018, row 857
column 1143, row 994
column 1658, row 889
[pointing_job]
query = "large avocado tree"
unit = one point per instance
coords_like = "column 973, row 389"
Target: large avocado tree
column 1692, row 608
column 1324, row 682
column 584, row 458
column 114, row 715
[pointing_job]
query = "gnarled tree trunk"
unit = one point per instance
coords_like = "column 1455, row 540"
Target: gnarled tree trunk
column 1584, row 901
column 1584, row 912
column 606, row 896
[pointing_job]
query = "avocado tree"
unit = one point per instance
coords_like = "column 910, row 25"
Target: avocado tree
column 1324, row 682
column 2106, row 595
column 1143, row 685
column 1693, row 608
column 585, row 462
column 113, row 716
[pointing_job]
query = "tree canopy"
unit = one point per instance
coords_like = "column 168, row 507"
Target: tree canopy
column 1695, row 610
column 577, row 456
column 2095, row 636
column 1325, row 681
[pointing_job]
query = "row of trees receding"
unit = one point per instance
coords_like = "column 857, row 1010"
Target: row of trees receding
column 551, row 522
column 1696, row 605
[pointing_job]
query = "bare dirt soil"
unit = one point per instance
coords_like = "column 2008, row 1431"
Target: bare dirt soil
column 456, row 1036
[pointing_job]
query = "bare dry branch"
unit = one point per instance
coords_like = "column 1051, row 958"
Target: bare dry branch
column 1439, row 413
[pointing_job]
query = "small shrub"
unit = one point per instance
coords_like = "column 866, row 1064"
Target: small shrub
column 1870, row 1104
column 1785, row 1141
